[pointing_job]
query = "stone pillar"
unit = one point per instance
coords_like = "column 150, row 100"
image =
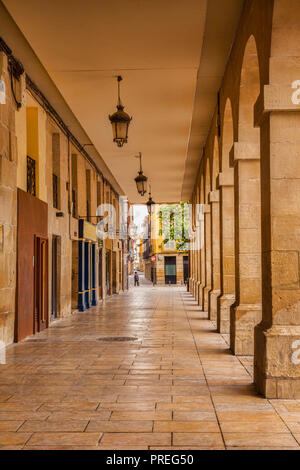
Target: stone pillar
column 246, row 313
column 81, row 283
column 277, row 337
column 214, row 201
column 94, row 277
column 202, row 261
column 207, row 249
column 87, row 274
column 8, row 209
column 225, row 182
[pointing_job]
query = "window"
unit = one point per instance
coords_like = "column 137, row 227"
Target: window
column 56, row 170
column 88, row 195
column 55, row 191
column 31, row 176
column 74, row 203
column 74, row 187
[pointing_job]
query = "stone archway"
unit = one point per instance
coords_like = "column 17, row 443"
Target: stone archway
column 225, row 184
column 214, row 201
column 245, row 158
column 277, row 337
column 207, row 235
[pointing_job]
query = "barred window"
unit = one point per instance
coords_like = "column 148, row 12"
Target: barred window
column 31, row 176
column 55, row 191
column 74, row 203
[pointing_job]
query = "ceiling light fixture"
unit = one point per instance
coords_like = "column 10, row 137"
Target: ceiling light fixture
column 141, row 179
column 150, row 203
column 120, row 121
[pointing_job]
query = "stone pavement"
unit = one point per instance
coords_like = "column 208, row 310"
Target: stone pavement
column 173, row 385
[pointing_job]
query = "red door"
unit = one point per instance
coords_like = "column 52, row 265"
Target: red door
column 41, row 284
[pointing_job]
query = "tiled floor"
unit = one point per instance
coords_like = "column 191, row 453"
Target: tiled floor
column 175, row 387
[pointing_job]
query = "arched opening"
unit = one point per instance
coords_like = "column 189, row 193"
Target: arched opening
column 227, row 252
column 246, row 161
column 215, row 164
column 215, row 235
column 207, row 235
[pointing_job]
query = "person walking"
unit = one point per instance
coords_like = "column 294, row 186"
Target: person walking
column 136, row 279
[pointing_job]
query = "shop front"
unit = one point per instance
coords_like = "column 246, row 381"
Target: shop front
column 87, row 261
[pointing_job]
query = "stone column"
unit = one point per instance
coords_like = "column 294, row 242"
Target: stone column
column 201, row 256
column 246, row 313
column 207, row 249
column 214, row 201
column 8, row 209
column 81, row 280
column 87, row 274
column 94, row 277
column 225, row 182
column 277, row 337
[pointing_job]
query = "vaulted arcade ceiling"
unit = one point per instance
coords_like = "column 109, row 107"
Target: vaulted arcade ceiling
column 172, row 56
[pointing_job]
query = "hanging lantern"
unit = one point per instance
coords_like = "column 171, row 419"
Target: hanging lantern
column 141, row 179
column 150, row 204
column 120, row 121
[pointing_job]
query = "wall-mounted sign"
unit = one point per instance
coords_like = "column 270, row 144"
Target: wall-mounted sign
column 87, row 230
column 153, row 259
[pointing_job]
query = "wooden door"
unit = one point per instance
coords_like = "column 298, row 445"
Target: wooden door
column 41, row 284
column 54, row 284
column 100, row 274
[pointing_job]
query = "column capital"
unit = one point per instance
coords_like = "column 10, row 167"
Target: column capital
column 276, row 98
column 214, row 196
column 244, row 151
column 206, row 209
column 226, row 178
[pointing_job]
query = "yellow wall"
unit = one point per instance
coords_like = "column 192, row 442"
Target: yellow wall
column 31, row 140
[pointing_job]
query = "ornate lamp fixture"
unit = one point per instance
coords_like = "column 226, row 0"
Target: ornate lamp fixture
column 150, row 203
column 120, row 121
column 141, row 179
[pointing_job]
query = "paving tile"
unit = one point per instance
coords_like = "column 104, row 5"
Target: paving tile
column 275, row 440
column 54, row 426
column 64, row 438
column 207, row 440
column 254, row 426
column 13, row 438
column 149, row 439
column 119, row 426
column 247, row 416
column 7, row 426
column 208, row 416
column 141, row 415
column 185, row 426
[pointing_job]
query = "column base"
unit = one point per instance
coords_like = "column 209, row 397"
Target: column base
column 243, row 320
column 201, row 296
column 213, row 304
column 225, row 302
column 206, row 298
column 197, row 294
column 277, row 361
column 191, row 285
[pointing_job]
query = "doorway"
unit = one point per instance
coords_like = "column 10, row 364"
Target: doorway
column 100, row 274
column 170, row 270
column 32, row 266
column 114, row 272
column 108, row 291
column 55, row 277
column 185, row 269
column 41, row 284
